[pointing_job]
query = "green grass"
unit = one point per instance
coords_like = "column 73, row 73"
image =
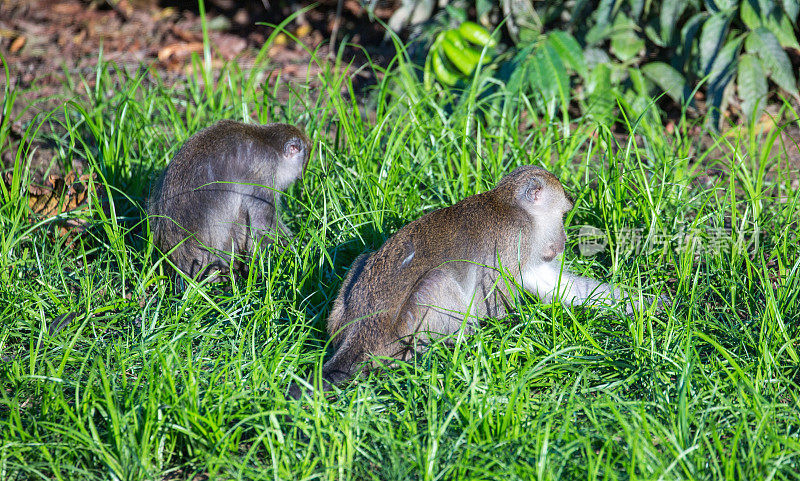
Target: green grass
column 146, row 383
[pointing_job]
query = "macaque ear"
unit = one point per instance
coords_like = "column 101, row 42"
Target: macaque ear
column 291, row 166
column 532, row 191
column 293, row 147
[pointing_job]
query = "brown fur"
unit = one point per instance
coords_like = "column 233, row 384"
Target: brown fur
column 217, row 200
column 420, row 283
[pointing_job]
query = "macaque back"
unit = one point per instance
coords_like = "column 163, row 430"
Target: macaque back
column 216, row 202
column 439, row 274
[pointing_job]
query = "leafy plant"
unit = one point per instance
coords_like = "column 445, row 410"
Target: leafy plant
column 141, row 382
column 627, row 50
column 456, row 53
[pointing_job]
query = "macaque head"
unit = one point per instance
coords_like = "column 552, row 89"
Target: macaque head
column 542, row 196
column 294, row 150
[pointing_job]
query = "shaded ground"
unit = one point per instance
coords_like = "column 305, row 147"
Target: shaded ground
column 46, row 44
column 41, row 40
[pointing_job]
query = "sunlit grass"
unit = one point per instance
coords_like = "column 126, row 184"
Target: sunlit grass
column 147, row 382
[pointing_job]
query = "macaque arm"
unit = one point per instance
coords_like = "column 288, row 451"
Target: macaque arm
column 548, row 281
column 437, row 305
column 259, row 221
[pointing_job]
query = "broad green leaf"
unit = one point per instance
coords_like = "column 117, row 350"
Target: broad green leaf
column 721, row 5
column 668, row 79
column 569, row 50
column 764, row 43
column 692, row 26
column 548, row 76
column 600, row 94
column 671, row 11
column 638, row 81
column 459, row 15
column 516, row 79
column 751, row 83
column 543, row 84
column 725, row 59
column 515, row 70
column 636, row 7
column 652, row 31
column 602, row 24
column 528, row 35
column 619, row 73
column 636, row 104
column 765, row 13
column 595, row 57
column 712, row 38
column 597, row 33
column 599, row 79
column 722, row 72
column 688, row 34
column 603, row 13
column 792, row 9
column 749, row 13
column 538, row 81
column 555, row 68
column 716, row 97
column 783, row 29
column 625, row 42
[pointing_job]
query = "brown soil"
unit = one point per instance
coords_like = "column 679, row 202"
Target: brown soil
column 48, row 44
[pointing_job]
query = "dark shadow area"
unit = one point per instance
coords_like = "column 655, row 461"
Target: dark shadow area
column 329, row 22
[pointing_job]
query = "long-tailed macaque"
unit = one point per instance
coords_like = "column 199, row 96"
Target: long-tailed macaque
column 439, row 274
column 217, row 200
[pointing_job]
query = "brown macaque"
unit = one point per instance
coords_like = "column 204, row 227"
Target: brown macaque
column 440, row 274
column 216, row 202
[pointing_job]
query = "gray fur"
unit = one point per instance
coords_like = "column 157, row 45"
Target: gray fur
column 216, row 202
column 441, row 273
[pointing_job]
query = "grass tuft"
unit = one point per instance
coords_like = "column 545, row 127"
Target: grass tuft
column 142, row 382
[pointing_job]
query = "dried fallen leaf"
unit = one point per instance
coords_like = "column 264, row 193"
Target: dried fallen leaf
column 67, row 9
column 765, row 123
column 164, row 13
column 281, row 39
column 122, row 7
column 79, row 38
column 17, row 44
column 185, row 35
column 303, row 30
column 179, row 50
column 229, row 46
column 57, row 196
column 241, row 17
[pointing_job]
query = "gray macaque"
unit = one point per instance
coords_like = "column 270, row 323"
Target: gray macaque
column 440, row 274
column 217, row 200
